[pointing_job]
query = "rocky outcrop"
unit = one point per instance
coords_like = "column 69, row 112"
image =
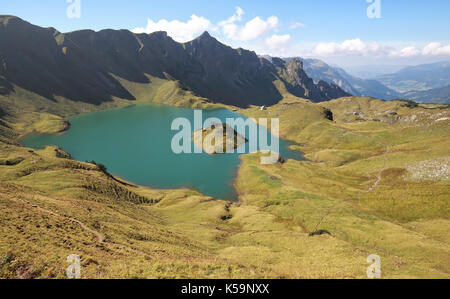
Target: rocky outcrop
column 299, row 84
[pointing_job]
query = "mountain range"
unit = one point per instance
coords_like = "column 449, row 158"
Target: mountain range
column 439, row 95
column 371, row 71
column 418, row 78
column 86, row 66
column 319, row 70
column 427, row 83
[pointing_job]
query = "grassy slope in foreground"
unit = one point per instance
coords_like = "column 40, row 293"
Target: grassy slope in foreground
column 358, row 186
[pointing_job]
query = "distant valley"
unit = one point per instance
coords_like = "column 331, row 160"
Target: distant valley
column 429, row 83
column 371, row 71
column 318, row 69
column 418, row 78
column 439, row 95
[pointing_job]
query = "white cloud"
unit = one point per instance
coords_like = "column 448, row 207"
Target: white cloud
column 434, row 49
column 250, row 30
column 239, row 32
column 348, row 47
column 178, row 30
column 357, row 47
column 277, row 41
column 297, row 25
column 234, row 18
column 405, row 52
column 231, row 28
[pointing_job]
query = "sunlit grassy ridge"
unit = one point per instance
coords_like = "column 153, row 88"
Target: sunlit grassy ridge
column 357, row 195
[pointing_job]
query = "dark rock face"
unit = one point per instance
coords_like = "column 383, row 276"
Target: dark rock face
column 299, row 84
column 320, row 71
column 328, row 114
column 48, row 63
column 5, row 87
column 82, row 66
column 233, row 76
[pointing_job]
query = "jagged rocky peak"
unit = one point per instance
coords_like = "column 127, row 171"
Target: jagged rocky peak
column 205, row 40
column 205, row 36
column 291, row 65
column 278, row 62
column 295, row 63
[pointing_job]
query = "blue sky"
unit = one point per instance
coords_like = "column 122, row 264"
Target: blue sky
column 337, row 31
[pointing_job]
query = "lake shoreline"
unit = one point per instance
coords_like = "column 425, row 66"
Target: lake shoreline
column 127, row 172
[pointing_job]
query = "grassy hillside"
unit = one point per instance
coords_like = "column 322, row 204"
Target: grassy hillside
column 378, row 179
column 377, row 182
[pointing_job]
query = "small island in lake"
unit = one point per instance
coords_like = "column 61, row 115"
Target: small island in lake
column 218, row 138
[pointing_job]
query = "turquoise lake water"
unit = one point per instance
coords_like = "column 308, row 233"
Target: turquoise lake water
column 134, row 143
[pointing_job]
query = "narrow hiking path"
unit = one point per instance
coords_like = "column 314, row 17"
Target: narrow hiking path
column 379, row 177
column 371, row 188
column 100, row 238
column 386, row 152
column 380, row 174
